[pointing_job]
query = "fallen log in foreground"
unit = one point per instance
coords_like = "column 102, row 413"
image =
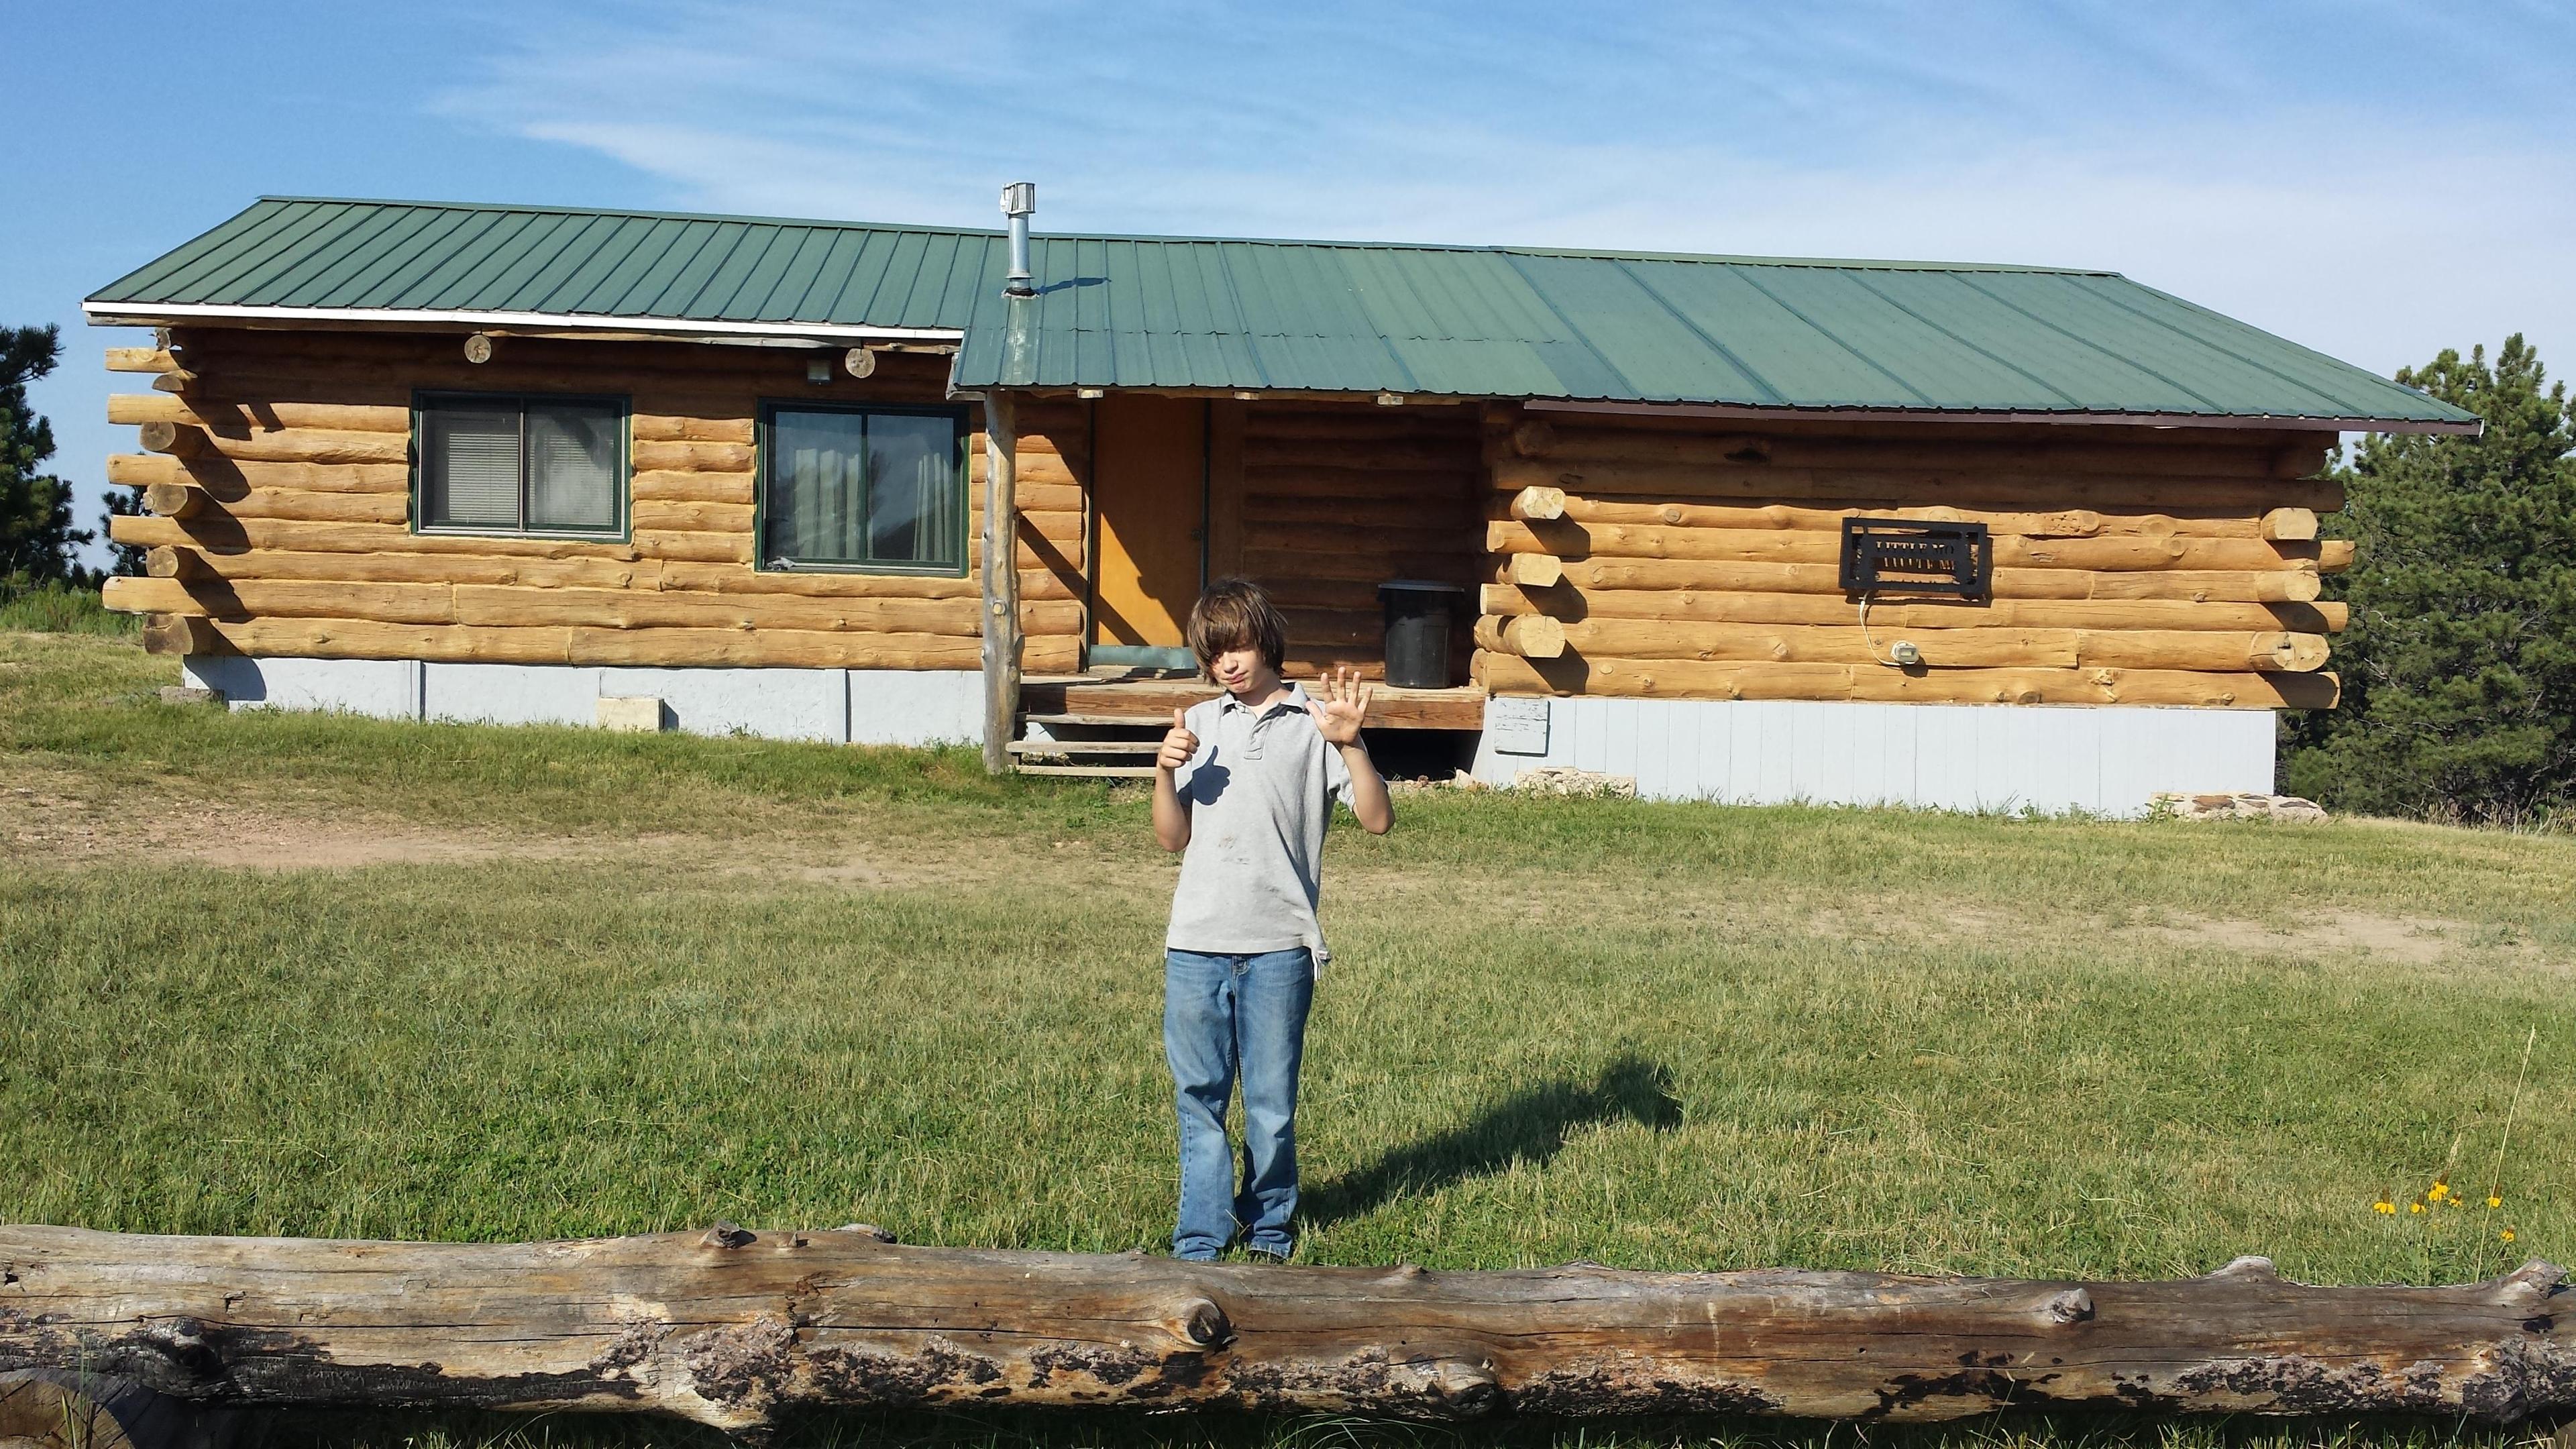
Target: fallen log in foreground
column 730, row 1328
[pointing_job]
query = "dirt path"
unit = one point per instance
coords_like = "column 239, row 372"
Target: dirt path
column 59, row 818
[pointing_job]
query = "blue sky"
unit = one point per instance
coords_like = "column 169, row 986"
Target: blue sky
column 2379, row 180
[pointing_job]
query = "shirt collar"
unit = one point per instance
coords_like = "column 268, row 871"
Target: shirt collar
column 1295, row 699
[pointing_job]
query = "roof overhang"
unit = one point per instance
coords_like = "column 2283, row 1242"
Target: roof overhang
column 1749, row 414
column 553, row 324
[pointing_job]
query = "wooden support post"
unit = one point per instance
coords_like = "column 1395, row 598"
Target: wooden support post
column 1001, row 581
column 736, row 1329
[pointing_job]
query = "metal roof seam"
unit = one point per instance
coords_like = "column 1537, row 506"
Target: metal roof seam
column 416, row 251
column 2339, row 404
column 1751, row 373
column 2086, row 342
column 732, row 235
column 540, row 276
column 183, row 261
column 278, row 279
column 1573, row 332
column 1990, row 355
column 330, row 278
column 1863, row 358
column 228, row 269
column 542, row 251
column 672, row 241
column 601, row 265
column 2253, row 362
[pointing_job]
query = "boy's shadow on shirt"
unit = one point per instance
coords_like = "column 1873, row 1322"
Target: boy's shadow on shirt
column 1529, row 1126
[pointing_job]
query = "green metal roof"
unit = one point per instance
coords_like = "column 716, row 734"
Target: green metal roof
column 1192, row 313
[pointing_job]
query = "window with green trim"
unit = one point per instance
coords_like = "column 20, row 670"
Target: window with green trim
column 505, row 463
column 867, row 489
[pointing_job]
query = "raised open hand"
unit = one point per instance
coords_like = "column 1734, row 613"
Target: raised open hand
column 1342, row 705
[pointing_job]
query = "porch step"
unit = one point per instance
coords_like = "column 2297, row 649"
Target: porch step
column 1086, row 747
column 1096, row 721
column 1088, row 742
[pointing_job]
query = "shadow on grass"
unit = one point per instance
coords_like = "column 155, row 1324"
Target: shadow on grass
column 1529, row 1126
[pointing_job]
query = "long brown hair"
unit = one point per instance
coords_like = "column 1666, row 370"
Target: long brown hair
column 1236, row 614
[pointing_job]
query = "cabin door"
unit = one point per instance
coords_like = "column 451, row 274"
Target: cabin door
column 1149, row 487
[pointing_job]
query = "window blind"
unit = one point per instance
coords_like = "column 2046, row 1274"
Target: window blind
column 522, row 465
column 470, row 460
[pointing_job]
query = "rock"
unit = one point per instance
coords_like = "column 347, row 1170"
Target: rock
column 1566, row 780
column 2172, row 805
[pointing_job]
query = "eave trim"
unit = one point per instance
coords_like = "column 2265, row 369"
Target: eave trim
column 154, row 314
column 1745, row 413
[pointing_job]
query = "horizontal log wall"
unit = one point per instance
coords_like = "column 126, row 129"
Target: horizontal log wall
column 278, row 470
column 1681, row 560
column 1337, row 499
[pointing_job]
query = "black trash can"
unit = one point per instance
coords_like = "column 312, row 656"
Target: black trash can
column 1418, row 617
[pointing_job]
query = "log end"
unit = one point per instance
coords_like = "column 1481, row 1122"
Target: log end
column 57, row 1409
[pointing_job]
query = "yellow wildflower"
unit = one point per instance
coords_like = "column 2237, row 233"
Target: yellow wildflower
column 2383, row 1206
column 2414, row 1207
column 2494, row 1201
column 2506, row 1235
column 2438, row 1191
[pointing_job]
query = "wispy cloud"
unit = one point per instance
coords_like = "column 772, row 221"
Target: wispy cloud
column 2319, row 169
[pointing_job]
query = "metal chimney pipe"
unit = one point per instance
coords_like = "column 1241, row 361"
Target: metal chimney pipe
column 1018, row 200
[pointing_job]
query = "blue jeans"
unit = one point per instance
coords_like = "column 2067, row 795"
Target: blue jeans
column 1223, row 1017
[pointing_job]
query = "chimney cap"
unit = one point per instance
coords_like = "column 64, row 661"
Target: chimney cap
column 1019, row 198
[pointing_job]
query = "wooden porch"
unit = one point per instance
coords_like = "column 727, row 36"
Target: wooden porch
column 1110, row 725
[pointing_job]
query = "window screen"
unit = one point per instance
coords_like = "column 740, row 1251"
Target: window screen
column 863, row 489
column 521, row 464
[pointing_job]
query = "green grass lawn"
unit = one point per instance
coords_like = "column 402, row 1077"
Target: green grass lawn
column 327, row 976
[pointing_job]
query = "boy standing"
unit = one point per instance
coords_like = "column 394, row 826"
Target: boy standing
column 1245, row 783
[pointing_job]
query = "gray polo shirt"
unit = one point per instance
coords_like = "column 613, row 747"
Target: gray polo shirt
column 1260, row 792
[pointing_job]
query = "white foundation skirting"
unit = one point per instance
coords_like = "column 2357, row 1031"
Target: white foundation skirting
column 2102, row 759
column 838, row 706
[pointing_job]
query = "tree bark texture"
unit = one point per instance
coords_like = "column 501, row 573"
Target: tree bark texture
column 732, row 1328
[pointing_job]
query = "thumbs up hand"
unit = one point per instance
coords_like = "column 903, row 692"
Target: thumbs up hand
column 1178, row 746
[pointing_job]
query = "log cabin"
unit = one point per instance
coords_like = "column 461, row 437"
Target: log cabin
column 1741, row 528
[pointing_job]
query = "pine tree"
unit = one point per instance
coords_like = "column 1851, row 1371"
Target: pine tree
column 2459, row 667
column 37, row 540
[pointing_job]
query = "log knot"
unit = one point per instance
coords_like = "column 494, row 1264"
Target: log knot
column 729, row 1235
column 2075, row 1305
column 2539, row 1276
column 1203, row 1323
column 868, row 1230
